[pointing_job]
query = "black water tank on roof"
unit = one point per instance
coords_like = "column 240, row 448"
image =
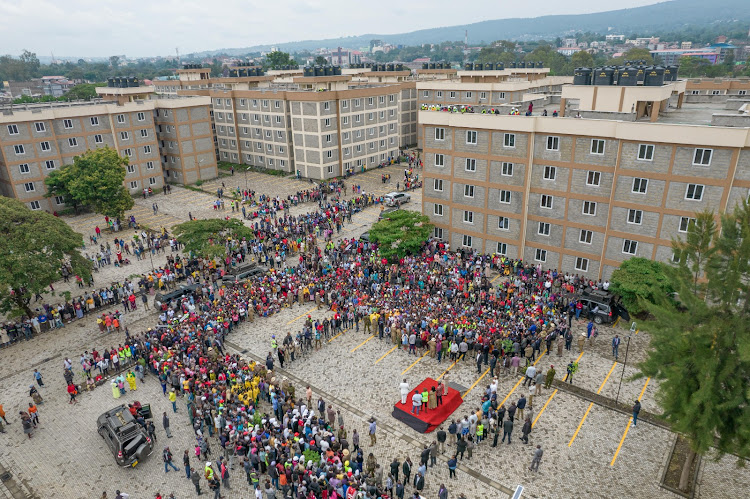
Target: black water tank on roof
column 337, row 70
column 308, row 71
column 110, row 82
column 582, row 76
column 513, row 65
column 390, row 67
column 500, row 66
column 641, row 74
column 603, row 76
column 489, row 66
column 425, row 65
column 399, row 67
column 328, row 71
column 478, row 66
column 319, row 71
column 654, row 76
column 540, row 65
column 469, row 66
column 670, row 73
column 132, row 82
column 628, row 77
column 433, row 65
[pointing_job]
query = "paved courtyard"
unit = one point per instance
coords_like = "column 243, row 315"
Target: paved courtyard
column 590, row 451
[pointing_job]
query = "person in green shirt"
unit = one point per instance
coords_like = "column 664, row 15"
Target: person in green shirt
column 425, row 398
column 480, row 431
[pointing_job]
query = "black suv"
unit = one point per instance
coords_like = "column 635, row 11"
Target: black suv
column 167, row 298
column 607, row 308
column 127, row 439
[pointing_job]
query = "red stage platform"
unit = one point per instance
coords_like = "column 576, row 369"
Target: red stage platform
column 427, row 420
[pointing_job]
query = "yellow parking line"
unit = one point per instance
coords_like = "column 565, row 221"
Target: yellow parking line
column 342, row 332
column 511, row 392
column 446, row 371
column 551, row 397
column 301, row 316
column 616, row 321
column 387, row 354
column 368, row 339
column 413, row 364
column 591, row 405
column 627, row 429
column 475, row 383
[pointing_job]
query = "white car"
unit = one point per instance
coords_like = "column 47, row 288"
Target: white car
column 397, row 198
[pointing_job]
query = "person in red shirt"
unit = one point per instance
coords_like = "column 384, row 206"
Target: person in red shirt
column 72, row 392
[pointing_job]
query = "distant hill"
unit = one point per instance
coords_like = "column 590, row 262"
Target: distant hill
column 665, row 16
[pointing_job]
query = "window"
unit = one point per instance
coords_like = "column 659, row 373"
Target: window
column 585, row 236
column 645, row 152
column 370, row 116
column 381, row 99
column 438, row 210
column 439, row 160
column 640, row 185
column 328, row 138
column 98, row 139
column 124, row 135
column 268, row 134
column 553, row 143
column 265, row 103
column 329, row 154
column 345, row 136
column 152, row 180
column 150, row 165
column 59, row 200
column 597, row 146
column 593, row 178
column 40, row 127
column 391, row 98
column 24, row 168
column 50, row 164
column 144, row 133
column 277, row 104
column 94, row 121
column 73, row 142
column 471, row 165
column 482, row 95
column 438, row 232
column 546, row 201
column 438, row 185
column 685, row 224
column 715, row 92
column 166, row 113
column 466, row 241
column 128, row 152
column 345, row 120
column 131, row 168
column 359, row 147
column 370, row 101
column 270, row 161
column 134, row 184
column 694, row 192
column 29, row 187
column 468, row 95
column 589, row 208
column 543, row 229
column 629, row 247
column 439, row 94
column 702, row 157
column 635, row 217
column 695, row 92
column 505, row 197
column 279, row 134
column 357, row 102
column 358, row 118
column 582, row 264
column 19, row 149
column 503, row 223
column 439, row 133
column 269, row 148
column 121, row 118
column 509, row 140
column 468, row 217
column 345, row 104
column 146, row 149
column 452, row 95
column 507, row 170
column 468, row 191
column 67, row 123
column 46, row 147
column 550, row 173
column 282, row 163
column 471, row 137
column 742, row 92
column 326, row 122
column 540, row 255
column 34, row 205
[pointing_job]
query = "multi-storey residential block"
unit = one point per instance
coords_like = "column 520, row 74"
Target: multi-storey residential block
column 38, row 139
column 581, row 195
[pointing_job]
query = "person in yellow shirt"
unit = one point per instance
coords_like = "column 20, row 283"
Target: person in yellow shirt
column 173, row 399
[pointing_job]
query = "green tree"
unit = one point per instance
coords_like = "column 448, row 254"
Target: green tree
column 639, row 281
column 694, row 251
column 400, row 233
column 277, row 59
column 207, row 238
column 701, row 347
column 582, row 59
column 114, row 61
column 33, row 248
column 94, row 179
column 84, row 91
column 321, row 61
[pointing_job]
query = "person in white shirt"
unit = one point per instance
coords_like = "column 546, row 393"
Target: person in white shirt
column 404, row 387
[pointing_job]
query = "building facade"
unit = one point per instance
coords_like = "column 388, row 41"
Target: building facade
column 579, row 195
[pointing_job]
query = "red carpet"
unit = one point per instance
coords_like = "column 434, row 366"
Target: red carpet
column 427, row 420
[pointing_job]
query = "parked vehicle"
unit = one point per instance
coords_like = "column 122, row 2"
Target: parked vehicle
column 167, row 298
column 602, row 305
column 396, row 198
column 386, row 212
column 127, row 439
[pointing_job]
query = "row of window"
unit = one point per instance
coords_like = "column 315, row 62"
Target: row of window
column 277, row 104
column 453, row 95
column 40, row 126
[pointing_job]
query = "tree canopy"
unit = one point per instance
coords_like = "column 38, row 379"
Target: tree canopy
column 401, row 232
column 208, row 238
column 33, row 249
column 701, row 341
column 95, row 179
column 277, row 59
column 639, row 281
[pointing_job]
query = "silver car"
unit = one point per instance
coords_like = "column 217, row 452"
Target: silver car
column 396, row 198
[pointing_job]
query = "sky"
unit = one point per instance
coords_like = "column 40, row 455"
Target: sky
column 138, row 28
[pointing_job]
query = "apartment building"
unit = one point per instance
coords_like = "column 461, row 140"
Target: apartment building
column 579, row 195
column 38, row 139
column 736, row 87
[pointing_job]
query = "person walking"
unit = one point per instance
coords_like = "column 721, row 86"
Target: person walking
column 507, row 429
column 537, row 459
column 173, row 400
column 38, row 378
column 186, row 463
column 549, row 377
column 452, row 464
column 615, row 346
column 571, row 369
column 373, row 428
column 525, row 430
column 165, row 423
column 196, row 479
column 167, row 457
column 636, row 410
column 442, row 492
